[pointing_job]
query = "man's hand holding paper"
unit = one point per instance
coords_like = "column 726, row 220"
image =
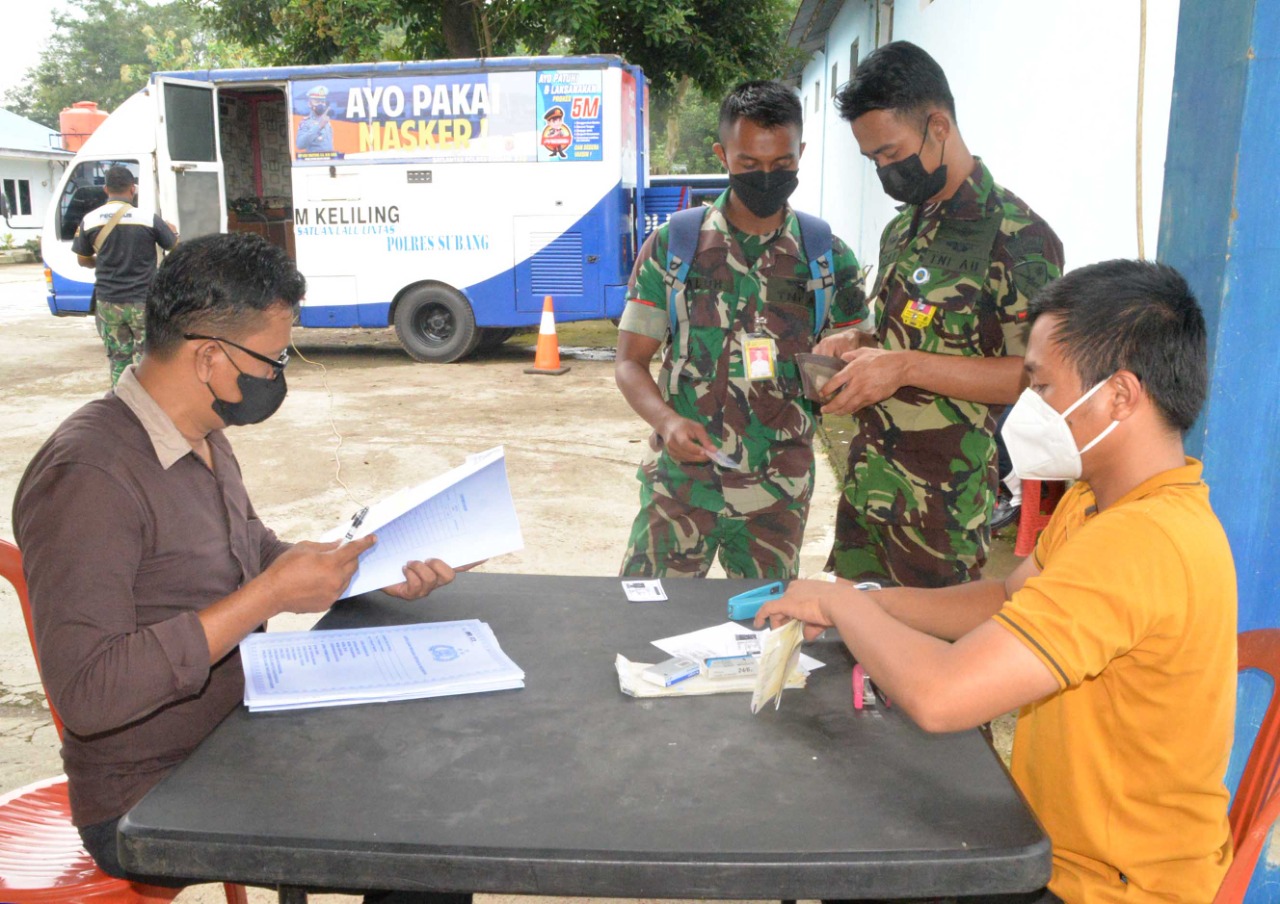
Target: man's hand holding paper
column 806, row 601
column 778, row 662
column 420, row 578
column 685, row 440
column 309, row 577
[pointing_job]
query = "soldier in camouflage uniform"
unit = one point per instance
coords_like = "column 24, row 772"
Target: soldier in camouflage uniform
column 118, row 241
column 957, row 267
column 748, row 288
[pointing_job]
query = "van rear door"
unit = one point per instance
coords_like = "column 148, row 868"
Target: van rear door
column 188, row 161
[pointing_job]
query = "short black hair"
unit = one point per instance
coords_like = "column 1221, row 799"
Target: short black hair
column 770, row 105
column 1138, row 316
column 900, row 77
column 120, row 178
column 216, row 285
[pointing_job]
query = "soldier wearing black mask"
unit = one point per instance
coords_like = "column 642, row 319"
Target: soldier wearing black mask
column 729, row 469
column 957, row 267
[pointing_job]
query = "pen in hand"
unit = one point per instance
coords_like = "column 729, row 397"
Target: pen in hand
column 356, row 520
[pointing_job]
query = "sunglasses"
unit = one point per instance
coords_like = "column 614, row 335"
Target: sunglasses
column 277, row 363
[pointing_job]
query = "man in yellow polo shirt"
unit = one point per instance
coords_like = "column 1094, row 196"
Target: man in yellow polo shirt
column 1117, row 637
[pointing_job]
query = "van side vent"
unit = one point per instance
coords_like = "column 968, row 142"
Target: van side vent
column 557, row 268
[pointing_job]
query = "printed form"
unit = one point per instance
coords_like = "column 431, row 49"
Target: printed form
column 462, row 516
column 301, row 669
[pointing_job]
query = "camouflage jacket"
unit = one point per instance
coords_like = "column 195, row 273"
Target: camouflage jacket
column 954, row 280
column 766, row 424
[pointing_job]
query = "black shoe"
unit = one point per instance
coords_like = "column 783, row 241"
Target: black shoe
column 1005, row 513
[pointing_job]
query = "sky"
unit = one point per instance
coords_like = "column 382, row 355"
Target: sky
column 27, row 25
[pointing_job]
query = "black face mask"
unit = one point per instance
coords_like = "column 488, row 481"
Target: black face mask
column 764, row 193
column 907, row 181
column 260, row 397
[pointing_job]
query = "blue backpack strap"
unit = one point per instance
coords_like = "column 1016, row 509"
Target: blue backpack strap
column 682, row 245
column 815, row 237
column 683, row 228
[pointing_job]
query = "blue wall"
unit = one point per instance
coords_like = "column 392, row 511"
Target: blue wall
column 1219, row 227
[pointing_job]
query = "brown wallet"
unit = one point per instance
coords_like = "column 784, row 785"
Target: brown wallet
column 815, row 371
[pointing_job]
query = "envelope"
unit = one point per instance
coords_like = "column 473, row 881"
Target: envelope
column 779, row 661
column 815, row 371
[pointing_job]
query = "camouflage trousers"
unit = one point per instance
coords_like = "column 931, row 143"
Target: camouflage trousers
column 123, row 328
column 671, row 539
column 900, row 556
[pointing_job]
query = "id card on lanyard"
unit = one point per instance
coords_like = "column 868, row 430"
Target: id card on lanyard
column 759, row 351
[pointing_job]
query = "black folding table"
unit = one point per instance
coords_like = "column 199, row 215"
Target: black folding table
column 568, row 787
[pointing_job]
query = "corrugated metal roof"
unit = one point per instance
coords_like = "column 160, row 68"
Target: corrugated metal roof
column 21, row 134
column 809, row 32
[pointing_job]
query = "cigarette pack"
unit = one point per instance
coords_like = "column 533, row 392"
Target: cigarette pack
column 731, row 666
column 670, row 671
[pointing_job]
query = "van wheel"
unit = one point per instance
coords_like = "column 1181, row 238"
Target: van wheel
column 493, row 336
column 435, row 324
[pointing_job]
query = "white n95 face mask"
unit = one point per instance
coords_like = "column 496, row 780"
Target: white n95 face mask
column 1039, row 441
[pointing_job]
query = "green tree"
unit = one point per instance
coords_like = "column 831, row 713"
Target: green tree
column 697, row 121
column 172, row 51
column 681, row 45
column 688, row 48
column 105, row 50
column 294, row 32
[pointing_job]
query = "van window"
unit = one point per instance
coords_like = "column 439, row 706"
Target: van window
column 85, row 191
column 188, row 114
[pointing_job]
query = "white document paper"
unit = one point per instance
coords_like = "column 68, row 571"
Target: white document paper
column 728, row 639
column 643, row 590
column 462, row 516
column 301, row 669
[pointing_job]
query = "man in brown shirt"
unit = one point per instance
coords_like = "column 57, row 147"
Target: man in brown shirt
column 145, row 559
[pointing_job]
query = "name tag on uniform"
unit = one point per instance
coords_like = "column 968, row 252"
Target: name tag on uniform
column 918, row 314
column 760, row 357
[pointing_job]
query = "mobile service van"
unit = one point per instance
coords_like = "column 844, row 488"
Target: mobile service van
column 444, row 198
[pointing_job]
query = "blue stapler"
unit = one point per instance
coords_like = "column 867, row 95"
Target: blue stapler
column 746, row 605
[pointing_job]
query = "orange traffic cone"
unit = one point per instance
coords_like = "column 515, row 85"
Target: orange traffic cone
column 547, row 358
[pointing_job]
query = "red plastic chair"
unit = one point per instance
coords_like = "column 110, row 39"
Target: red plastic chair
column 1039, row 499
column 1259, row 650
column 41, row 858
column 1249, row 848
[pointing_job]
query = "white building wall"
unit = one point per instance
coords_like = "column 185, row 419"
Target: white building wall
column 1046, row 94
column 809, row 194
column 835, row 182
column 43, row 175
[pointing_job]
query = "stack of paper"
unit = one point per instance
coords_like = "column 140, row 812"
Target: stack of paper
column 462, row 516
column 300, row 669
